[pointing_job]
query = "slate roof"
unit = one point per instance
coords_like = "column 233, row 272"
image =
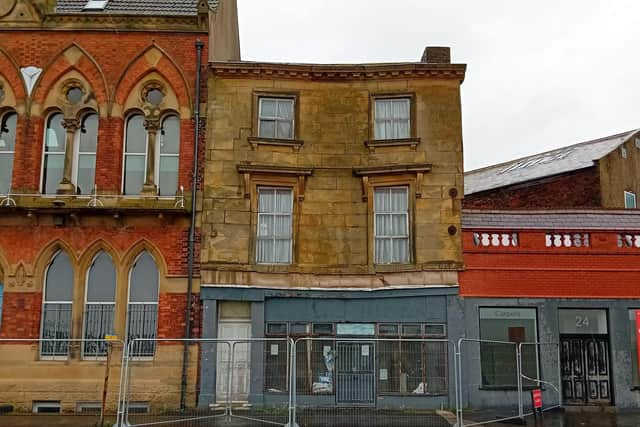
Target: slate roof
column 550, row 220
column 554, row 162
column 137, row 7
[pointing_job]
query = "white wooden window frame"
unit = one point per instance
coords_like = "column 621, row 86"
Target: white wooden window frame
column 43, row 187
column 130, row 303
column 392, row 120
column 629, row 194
column 391, row 238
column 276, row 119
column 160, row 155
column 12, row 153
column 77, row 153
column 87, row 303
column 42, row 316
column 274, row 214
column 125, row 154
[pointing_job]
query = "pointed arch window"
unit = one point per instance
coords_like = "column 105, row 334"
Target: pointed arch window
column 100, row 302
column 142, row 310
column 167, row 160
column 53, row 157
column 135, row 155
column 8, row 122
column 84, row 157
column 57, row 305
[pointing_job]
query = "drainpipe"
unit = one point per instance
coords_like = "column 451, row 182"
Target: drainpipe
column 192, row 228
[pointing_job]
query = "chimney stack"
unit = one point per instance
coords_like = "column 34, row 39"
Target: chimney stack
column 437, row 55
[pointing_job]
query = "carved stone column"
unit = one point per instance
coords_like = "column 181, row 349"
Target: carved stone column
column 152, row 126
column 66, row 185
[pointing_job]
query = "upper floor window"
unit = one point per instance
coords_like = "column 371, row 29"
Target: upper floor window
column 54, row 148
column 392, row 118
column 160, row 170
column 8, row 124
column 167, row 160
column 629, row 200
column 135, row 155
column 391, row 225
column 275, row 118
column 142, row 311
column 56, row 310
column 275, row 225
column 84, row 162
column 99, row 306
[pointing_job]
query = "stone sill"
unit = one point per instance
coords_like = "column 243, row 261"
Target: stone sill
column 107, row 203
column 381, row 143
column 296, row 144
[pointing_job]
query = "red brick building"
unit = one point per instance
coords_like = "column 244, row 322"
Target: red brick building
column 599, row 173
column 97, row 115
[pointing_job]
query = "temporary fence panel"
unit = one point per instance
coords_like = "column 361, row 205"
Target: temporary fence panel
column 260, row 381
column 370, row 381
column 154, row 389
column 488, row 381
column 70, row 377
column 251, row 382
column 547, row 377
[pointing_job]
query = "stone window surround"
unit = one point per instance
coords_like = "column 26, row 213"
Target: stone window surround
column 255, row 140
column 73, row 114
column 255, row 176
column 412, row 142
column 81, row 268
column 153, row 126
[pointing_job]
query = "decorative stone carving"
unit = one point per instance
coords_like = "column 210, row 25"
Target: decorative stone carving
column 21, row 278
column 6, row 6
column 30, row 75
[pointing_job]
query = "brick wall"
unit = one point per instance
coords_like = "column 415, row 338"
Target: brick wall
column 113, row 64
column 21, row 315
column 579, row 189
column 602, row 270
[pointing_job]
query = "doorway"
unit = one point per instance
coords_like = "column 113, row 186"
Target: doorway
column 240, row 366
column 585, row 370
column 355, row 370
column 585, row 357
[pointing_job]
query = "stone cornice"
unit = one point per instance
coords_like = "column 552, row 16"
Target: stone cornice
column 338, row 71
column 112, row 22
column 392, row 169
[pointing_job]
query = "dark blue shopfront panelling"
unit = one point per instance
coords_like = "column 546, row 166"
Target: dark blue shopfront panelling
column 406, row 309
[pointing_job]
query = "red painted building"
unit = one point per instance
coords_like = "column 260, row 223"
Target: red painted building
column 568, row 278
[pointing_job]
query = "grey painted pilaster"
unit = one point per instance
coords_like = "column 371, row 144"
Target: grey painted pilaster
column 208, row 353
column 256, row 390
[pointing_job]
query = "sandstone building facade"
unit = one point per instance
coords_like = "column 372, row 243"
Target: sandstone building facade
column 332, row 197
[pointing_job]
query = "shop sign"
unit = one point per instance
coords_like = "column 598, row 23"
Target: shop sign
column 364, row 329
column 576, row 321
column 507, row 313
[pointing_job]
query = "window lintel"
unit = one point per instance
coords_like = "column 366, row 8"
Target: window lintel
column 299, row 174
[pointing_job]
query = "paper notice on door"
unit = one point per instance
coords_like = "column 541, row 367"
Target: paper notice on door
column 274, row 349
column 365, row 350
column 384, row 375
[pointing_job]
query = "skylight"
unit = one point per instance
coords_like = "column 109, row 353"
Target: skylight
column 95, row 5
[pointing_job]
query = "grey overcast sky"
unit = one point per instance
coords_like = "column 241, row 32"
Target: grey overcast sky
column 541, row 74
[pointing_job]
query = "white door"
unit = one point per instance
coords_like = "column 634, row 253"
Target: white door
column 233, row 330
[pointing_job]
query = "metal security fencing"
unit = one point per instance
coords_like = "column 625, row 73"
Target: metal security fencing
column 47, row 376
column 548, row 380
column 305, row 382
column 370, row 381
column 249, row 382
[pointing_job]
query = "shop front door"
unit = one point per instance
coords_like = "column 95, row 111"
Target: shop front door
column 355, row 373
column 585, row 370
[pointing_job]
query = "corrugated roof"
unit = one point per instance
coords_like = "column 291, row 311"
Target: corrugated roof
column 137, row 7
column 549, row 220
column 554, row 162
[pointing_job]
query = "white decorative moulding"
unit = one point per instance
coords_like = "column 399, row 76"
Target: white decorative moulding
column 30, row 75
